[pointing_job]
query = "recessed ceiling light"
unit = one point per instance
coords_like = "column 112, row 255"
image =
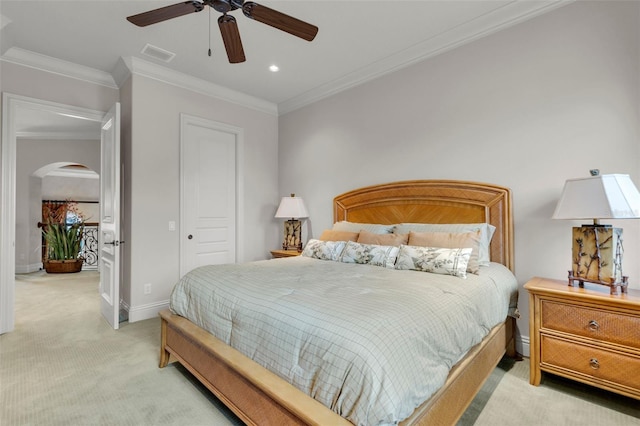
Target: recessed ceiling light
column 274, row 68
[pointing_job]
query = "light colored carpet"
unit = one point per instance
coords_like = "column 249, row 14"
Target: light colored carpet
column 507, row 398
column 63, row 365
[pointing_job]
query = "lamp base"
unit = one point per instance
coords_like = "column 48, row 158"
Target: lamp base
column 597, row 254
column 292, row 240
column 613, row 287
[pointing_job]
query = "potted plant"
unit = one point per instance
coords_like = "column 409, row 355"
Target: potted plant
column 63, row 237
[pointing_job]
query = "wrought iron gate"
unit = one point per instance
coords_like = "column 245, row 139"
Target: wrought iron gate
column 89, row 246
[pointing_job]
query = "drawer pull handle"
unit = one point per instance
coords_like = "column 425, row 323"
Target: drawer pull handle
column 593, row 325
column 594, row 363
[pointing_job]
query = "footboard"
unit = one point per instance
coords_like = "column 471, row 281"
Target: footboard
column 254, row 394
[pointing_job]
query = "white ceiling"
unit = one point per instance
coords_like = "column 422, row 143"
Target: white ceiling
column 357, row 40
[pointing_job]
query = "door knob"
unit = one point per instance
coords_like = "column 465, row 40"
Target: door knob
column 190, row 236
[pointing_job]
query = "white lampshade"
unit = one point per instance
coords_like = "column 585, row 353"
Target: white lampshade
column 599, row 197
column 292, row 207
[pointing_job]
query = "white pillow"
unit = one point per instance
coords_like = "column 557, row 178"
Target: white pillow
column 323, row 250
column 443, row 261
column 486, row 233
column 371, row 254
column 356, row 227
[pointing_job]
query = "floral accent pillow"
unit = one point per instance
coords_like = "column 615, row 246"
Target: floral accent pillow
column 371, row 254
column 445, row 261
column 323, row 250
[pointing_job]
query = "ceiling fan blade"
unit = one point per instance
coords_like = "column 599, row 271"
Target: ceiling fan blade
column 165, row 13
column 231, row 38
column 279, row 20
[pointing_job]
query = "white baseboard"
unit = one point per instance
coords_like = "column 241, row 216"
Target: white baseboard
column 522, row 345
column 144, row 312
column 27, row 269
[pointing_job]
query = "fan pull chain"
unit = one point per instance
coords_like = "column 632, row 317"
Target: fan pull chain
column 209, row 52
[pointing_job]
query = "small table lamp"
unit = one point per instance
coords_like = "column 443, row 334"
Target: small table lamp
column 597, row 249
column 293, row 208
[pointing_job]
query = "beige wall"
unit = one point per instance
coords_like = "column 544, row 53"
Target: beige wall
column 25, row 81
column 154, row 181
column 526, row 108
column 74, row 188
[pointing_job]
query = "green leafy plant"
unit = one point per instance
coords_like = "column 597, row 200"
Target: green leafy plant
column 63, row 239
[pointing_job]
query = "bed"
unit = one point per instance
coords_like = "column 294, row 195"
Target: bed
column 259, row 396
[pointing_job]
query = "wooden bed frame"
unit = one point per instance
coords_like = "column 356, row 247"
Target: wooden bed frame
column 259, row 397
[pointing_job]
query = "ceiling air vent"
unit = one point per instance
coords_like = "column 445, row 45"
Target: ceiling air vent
column 157, row 53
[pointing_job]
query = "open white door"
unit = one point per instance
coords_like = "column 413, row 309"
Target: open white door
column 110, row 217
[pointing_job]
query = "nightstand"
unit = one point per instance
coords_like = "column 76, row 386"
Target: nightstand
column 585, row 334
column 285, row 253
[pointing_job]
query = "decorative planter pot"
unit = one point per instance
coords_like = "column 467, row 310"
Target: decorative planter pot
column 63, row 266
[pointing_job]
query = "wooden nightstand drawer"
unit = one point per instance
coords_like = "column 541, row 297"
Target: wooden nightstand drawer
column 598, row 324
column 591, row 363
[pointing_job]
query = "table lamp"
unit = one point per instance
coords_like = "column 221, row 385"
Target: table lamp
column 293, row 208
column 597, row 248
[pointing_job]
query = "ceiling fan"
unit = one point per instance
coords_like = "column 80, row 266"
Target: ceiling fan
column 227, row 23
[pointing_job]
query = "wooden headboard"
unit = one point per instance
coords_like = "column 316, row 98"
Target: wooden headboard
column 434, row 201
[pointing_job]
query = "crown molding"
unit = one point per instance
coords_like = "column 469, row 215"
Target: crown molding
column 55, row 135
column 4, row 21
column 127, row 66
column 30, row 59
column 121, row 72
column 147, row 69
column 74, row 173
column 506, row 16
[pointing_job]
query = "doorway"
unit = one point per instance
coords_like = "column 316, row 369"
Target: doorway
column 69, row 193
column 16, row 112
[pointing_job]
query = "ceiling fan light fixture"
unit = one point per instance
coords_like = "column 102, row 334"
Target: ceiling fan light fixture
column 222, row 6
